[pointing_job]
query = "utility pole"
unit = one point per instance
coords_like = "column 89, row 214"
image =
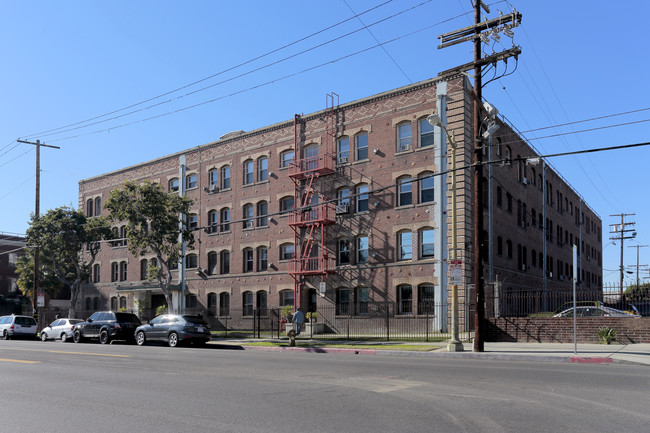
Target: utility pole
column 638, row 281
column 37, row 211
column 476, row 34
column 621, row 233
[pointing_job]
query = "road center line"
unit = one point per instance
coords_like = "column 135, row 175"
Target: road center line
column 19, row 361
column 70, row 353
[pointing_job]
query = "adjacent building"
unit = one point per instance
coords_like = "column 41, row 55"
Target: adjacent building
column 349, row 209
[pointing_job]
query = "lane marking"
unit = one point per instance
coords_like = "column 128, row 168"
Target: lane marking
column 19, row 361
column 68, row 353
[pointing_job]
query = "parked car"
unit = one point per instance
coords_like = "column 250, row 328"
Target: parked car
column 174, row 329
column 643, row 308
column 60, row 329
column 107, row 326
column 594, row 311
column 17, row 327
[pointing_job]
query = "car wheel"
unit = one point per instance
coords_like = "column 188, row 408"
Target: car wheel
column 64, row 337
column 43, row 336
column 140, row 339
column 103, row 337
column 173, row 339
column 76, row 337
column 5, row 335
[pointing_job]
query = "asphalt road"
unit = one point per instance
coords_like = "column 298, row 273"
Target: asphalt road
column 66, row 387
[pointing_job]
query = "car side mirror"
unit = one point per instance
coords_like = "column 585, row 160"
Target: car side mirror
column 90, row 320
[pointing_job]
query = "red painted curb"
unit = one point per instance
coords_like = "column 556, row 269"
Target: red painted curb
column 314, row 350
column 591, row 360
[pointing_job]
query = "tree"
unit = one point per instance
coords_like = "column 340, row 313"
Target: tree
column 63, row 234
column 638, row 293
column 153, row 219
column 46, row 278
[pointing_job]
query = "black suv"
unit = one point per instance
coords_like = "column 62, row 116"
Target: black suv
column 107, row 326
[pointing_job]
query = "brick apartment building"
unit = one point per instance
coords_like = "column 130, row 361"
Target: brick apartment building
column 12, row 247
column 373, row 220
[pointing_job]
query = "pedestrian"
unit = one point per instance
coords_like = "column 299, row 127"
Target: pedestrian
column 298, row 319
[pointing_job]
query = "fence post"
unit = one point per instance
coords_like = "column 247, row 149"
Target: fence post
column 348, row 321
column 387, row 322
column 427, row 319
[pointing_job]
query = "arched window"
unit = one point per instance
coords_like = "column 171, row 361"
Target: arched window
column 191, row 261
column 344, row 250
column 286, row 158
column 248, row 216
column 426, row 132
column 224, row 304
column 144, row 266
column 173, row 184
column 262, row 212
column 225, row 177
column 89, row 304
column 286, row 298
column 89, row 207
column 115, row 271
column 404, row 245
column 361, row 144
column 225, row 219
column 286, row 251
column 342, row 301
column 426, row 187
column 404, row 299
column 248, row 260
column 261, row 302
column 362, row 198
column 404, row 191
column 426, row 299
column 213, row 260
column 247, row 303
column 362, row 249
column 191, row 181
column 499, row 245
column 192, row 221
column 404, row 136
column 114, row 304
column 427, row 243
column 499, row 197
column 213, row 221
column 343, row 149
column 262, row 169
column 212, row 304
column 262, row 259
column 249, row 172
column 361, row 297
column 98, row 206
column 224, row 262
column 213, row 177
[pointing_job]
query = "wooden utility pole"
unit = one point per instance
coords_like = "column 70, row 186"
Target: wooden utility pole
column 622, row 230
column 475, row 33
column 638, row 266
column 37, row 206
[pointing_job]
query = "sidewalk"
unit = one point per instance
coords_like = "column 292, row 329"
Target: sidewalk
column 539, row 352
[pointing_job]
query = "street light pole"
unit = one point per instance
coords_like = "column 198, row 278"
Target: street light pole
column 455, row 345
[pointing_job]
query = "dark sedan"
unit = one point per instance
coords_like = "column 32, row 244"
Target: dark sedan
column 174, row 329
column 107, row 326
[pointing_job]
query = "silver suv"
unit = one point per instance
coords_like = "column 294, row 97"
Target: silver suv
column 17, row 326
column 60, row 328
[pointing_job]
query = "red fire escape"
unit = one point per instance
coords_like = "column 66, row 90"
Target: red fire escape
column 312, row 214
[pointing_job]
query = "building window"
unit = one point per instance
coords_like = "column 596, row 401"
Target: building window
column 286, row 298
column 249, row 172
column 190, row 300
column 193, row 221
column 344, row 250
column 262, row 259
column 262, row 169
column 96, row 272
column 213, row 177
column 361, row 300
column 213, row 221
column 404, row 137
column 509, row 248
column 144, row 267
column 225, row 177
column 286, row 158
column 212, row 263
column 426, row 299
column 224, row 262
column 224, row 304
column 404, row 299
column 98, row 206
column 262, row 211
column 261, row 296
column 426, row 133
column 212, row 304
column 247, row 303
column 122, row 302
column 191, row 181
column 248, row 216
column 342, row 301
column 191, row 261
column 361, row 142
column 123, row 271
column 427, row 243
column 173, row 185
column 404, row 191
column 426, row 188
column 115, row 271
column 248, row 260
column 499, row 245
column 286, row 204
column 509, row 202
column 343, row 149
column 362, row 249
column 343, row 204
column 225, row 219
column 405, row 245
column 286, row 251
column 362, row 198
column 113, row 303
column 89, row 207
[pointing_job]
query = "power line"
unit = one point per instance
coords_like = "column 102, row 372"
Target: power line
column 65, row 128
column 9, row 192
column 586, row 120
column 19, row 156
column 590, row 129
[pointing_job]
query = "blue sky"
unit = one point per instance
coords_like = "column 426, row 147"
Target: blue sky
column 66, row 62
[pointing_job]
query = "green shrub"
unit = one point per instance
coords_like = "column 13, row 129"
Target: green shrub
column 606, row 335
column 286, row 311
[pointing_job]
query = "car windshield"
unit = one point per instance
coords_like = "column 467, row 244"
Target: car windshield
column 193, row 320
column 127, row 318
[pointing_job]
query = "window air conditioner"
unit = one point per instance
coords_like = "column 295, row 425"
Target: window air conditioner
column 404, row 147
column 524, row 181
column 343, row 160
column 342, row 208
column 249, row 224
column 213, row 188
